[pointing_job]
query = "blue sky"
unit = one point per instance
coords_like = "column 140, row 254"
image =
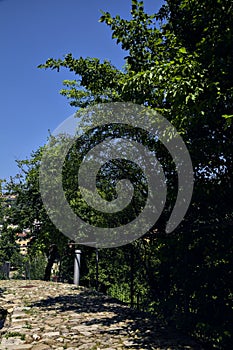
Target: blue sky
column 32, row 31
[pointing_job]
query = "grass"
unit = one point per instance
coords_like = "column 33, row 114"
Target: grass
column 14, row 334
column 28, row 325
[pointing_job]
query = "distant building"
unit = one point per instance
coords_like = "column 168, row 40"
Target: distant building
column 23, row 241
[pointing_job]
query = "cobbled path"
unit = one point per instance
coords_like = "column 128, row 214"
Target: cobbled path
column 47, row 315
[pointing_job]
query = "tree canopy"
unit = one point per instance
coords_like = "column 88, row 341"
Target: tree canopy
column 179, row 63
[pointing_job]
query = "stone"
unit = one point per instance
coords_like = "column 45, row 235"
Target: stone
column 61, row 316
column 51, row 334
column 36, row 337
column 40, row 347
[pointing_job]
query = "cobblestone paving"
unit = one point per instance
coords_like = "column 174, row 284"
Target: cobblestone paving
column 46, row 315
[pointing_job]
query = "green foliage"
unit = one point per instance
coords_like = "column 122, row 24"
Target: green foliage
column 179, row 62
column 29, row 213
column 31, row 267
column 9, row 250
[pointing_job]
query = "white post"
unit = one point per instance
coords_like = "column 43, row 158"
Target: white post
column 77, row 266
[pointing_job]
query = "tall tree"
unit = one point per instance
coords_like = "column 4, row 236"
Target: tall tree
column 179, row 63
column 29, row 212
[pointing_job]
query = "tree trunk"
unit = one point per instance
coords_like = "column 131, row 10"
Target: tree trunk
column 53, row 255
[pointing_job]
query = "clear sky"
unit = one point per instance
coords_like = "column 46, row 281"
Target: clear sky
column 32, row 31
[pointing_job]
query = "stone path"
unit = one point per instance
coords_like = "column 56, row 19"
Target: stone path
column 47, row 315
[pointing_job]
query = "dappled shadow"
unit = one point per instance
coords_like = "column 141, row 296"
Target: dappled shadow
column 3, row 314
column 2, row 290
column 116, row 317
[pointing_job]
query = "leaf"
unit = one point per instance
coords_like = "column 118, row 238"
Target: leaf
column 227, row 116
column 182, row 50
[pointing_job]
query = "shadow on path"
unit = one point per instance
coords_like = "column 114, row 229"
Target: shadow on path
column 3, row 314
column 118, row 318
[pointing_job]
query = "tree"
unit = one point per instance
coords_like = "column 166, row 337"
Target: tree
column 30, row 213
column 9, row 250
column 179, row 63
